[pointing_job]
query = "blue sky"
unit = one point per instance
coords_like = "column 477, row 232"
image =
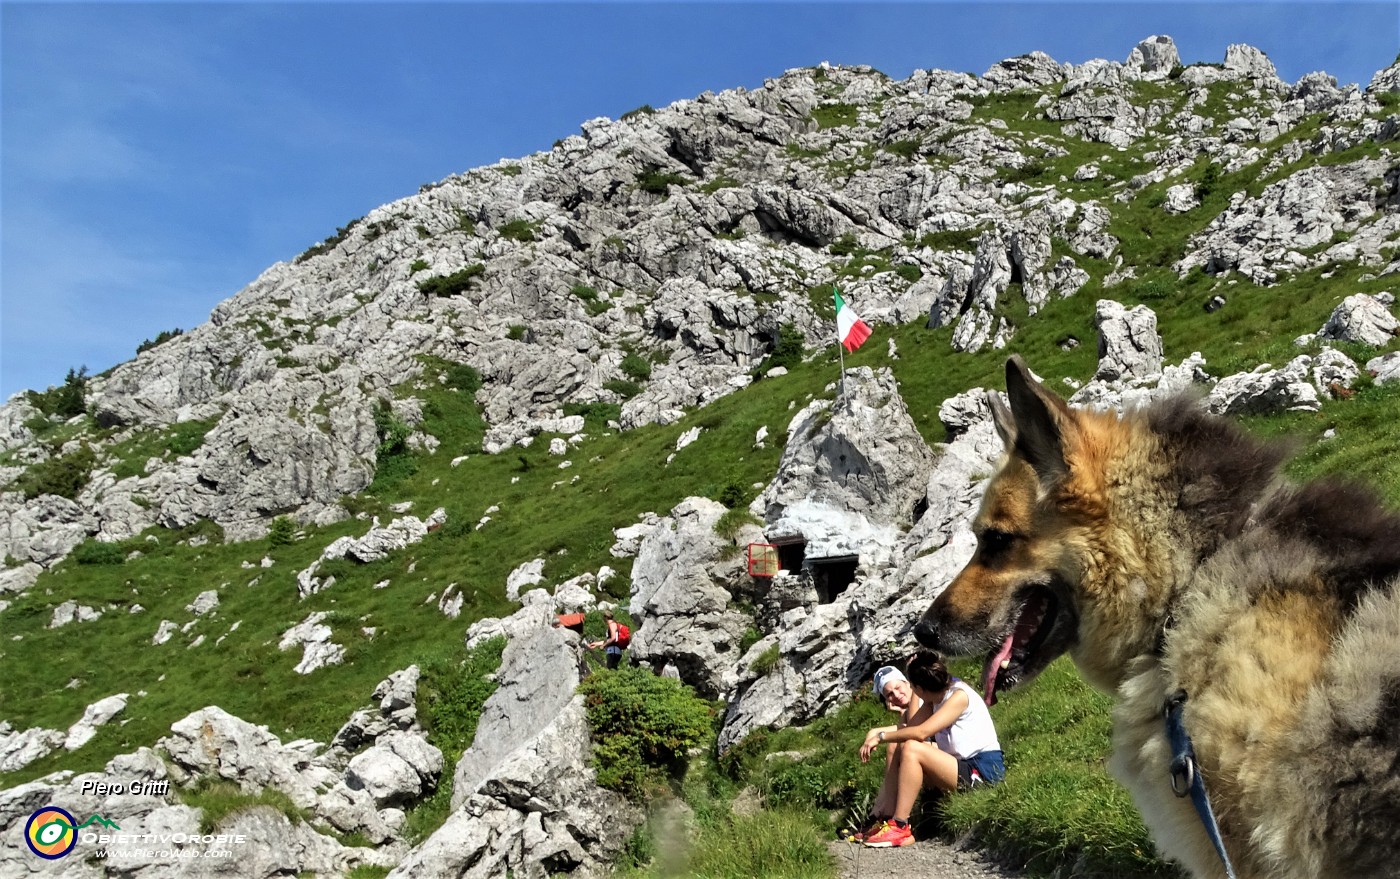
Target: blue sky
column 155, row 158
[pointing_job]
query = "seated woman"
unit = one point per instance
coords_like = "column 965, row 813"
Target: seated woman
column 944, row 739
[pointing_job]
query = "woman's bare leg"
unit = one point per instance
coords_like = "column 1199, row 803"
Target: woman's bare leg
column 922, row 765
column 885, row 799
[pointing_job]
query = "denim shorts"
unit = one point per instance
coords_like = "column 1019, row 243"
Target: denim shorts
column 984, row 768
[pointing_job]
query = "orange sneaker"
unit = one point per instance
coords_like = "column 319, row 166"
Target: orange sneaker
column 891, row 836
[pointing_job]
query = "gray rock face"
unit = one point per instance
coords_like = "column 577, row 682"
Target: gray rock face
column 398, row 770
column 1155, row 57
column 314, row 637
column 1385, row 368
column 524, row 799
column 1361, row 318
column 19, row 749
column 680, row 600
column 1266, row 390
column 826, row 650
column 1264, row 237
column 94, row 715
column 850, row 474
column 1129, row 346
column 213, row 742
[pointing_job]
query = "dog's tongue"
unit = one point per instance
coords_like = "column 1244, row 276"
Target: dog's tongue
column 989, row 674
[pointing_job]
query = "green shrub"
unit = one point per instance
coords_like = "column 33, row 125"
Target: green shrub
column 95, row 552
column 187, row 436
column 161, row 338
column 623, row 388
column 517, row 332
column 282, row 531
column 330, row 243
column 734, row 495
column 218, row 799
column 736, row 517
column 635, row 367
column 394, row 461
column 643, row 726
column 463, row 377
column 643, row 110
column 419, row 265
column 905, row 148
column 834, row 115
column 788, row 350
column 766, row 661
column 519, row 230
column 64, row 475
column 450, row 285
column 66, row 400
column 659, row 182
column 909, row 272
column 750, row 637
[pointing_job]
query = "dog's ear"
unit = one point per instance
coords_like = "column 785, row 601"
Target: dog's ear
column 1040, row 418
column 1001, row 417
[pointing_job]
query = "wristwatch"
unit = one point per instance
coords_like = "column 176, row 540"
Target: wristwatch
column 882, row 736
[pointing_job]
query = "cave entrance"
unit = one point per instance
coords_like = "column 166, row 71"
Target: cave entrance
column 831, row 575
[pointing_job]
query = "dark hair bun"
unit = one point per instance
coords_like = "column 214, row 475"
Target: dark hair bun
column 925, row 670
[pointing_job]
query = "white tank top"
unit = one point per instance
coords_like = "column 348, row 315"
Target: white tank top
column 973, row 732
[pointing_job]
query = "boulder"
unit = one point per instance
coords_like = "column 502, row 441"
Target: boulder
column 679, row 601
column 1361, row 318
column 1129, row 346
column 213, row 742
column 94, row 715
column 524, row 798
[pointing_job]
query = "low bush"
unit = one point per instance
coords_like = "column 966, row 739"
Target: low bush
column 161, row 338
column 66, row 400
column 635, row 367
column 643, row 726
column 64, row 475
column 95, row 552
column 659, row 182
column 451, row 285
column 282, row 531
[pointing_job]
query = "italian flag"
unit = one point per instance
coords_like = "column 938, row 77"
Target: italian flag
column 850, row 329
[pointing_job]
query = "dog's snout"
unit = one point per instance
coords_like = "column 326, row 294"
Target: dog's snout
column 926, row 633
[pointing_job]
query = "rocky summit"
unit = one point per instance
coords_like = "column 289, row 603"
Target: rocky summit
column 1208, row 229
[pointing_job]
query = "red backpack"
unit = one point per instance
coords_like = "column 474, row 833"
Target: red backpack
column 624, row 635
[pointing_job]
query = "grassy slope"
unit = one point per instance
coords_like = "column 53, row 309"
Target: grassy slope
column 1057, row 807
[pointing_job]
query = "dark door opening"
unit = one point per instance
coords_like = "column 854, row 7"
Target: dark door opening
column 832, row 575
column 792, row 552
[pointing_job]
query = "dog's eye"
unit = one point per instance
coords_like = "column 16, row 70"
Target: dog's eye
column 994, row 542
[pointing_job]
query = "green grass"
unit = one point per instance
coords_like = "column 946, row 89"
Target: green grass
column 219, row 799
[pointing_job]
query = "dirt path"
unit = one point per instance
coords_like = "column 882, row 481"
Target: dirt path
column 928, row 859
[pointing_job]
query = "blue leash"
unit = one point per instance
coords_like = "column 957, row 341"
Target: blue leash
column 1185, row 777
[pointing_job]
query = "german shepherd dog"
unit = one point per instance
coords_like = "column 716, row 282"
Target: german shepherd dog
column 1162, row 551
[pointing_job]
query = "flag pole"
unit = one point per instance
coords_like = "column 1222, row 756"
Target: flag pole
column 841, row 387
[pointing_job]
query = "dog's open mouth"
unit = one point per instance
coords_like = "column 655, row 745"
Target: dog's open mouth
column 1038, row 635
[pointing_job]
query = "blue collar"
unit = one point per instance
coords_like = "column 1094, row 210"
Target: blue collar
column 1186, row 778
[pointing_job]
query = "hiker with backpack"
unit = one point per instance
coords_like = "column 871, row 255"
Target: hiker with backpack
column 619, row 636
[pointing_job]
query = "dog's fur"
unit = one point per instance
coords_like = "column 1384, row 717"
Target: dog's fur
column 1165, row 553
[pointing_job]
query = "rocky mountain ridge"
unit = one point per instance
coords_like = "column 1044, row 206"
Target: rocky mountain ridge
column 689, row 237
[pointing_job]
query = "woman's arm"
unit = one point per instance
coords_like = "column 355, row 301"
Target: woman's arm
column 935, row 723
column 873, row 739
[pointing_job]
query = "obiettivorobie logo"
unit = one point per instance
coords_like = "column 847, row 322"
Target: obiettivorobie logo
column 52, row 832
